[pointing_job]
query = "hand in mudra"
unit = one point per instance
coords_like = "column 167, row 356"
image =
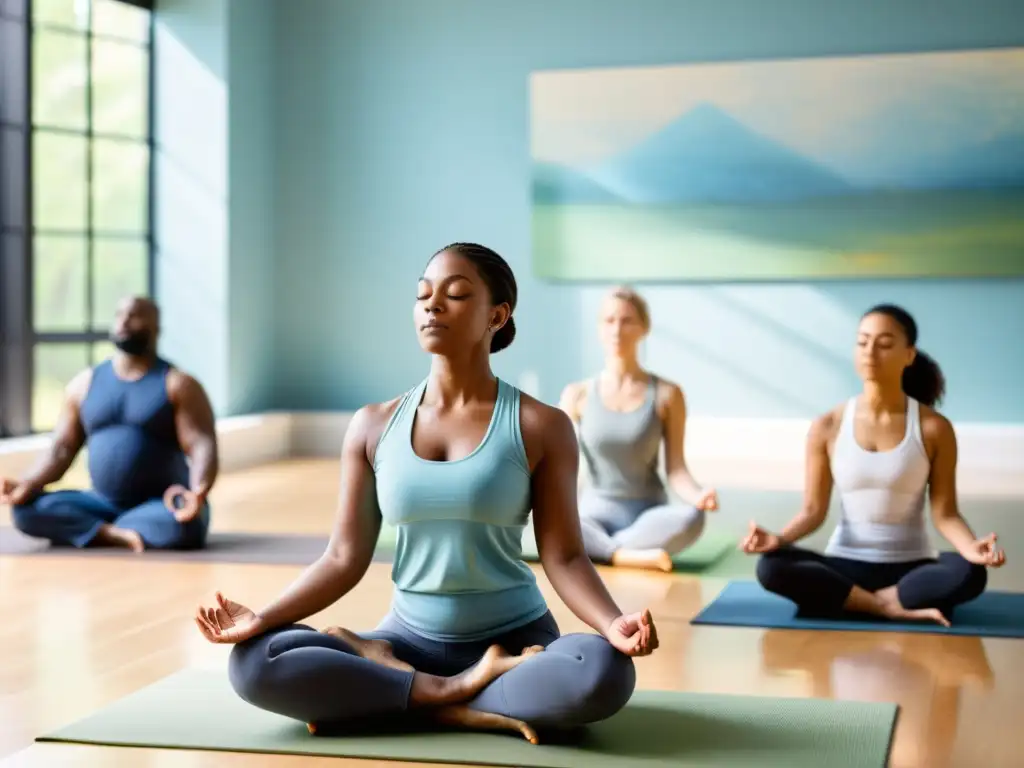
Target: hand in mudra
column 634, row 634
column 708, row 501
column 228, row 622
column 985, row 552
column 13, row 493
column 758, row 540
column 184, row 503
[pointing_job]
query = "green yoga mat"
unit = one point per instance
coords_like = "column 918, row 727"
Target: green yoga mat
column 196, row 709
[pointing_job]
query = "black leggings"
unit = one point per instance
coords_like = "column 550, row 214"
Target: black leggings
column 819, row 584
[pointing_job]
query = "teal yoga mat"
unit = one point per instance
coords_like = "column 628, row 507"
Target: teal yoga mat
column 747, row 604
column 196, row 709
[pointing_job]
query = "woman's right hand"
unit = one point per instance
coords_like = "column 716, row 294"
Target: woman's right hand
column 229, row 622
column 758, row 540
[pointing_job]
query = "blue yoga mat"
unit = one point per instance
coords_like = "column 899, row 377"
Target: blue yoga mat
column 747, row 604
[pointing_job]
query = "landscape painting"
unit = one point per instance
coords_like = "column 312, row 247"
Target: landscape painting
column 872, row 166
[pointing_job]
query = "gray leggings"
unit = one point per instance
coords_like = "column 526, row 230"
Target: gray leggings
column 298, row 672
column 610, row 524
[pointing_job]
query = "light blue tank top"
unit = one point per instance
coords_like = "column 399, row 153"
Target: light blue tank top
column 458, row 569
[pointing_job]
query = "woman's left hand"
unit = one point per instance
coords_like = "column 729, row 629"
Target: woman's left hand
column 707, row 501
column 634, row 634
column 985, row 552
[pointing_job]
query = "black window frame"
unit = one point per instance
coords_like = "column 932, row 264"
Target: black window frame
column 18, row 336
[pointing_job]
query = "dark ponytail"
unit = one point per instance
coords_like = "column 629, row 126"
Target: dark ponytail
column 501, row 283
column 923, row 380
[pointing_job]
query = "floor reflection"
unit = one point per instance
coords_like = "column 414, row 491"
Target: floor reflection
column 925, row 674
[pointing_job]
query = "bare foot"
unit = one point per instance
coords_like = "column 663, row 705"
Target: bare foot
column 431, row 690
column 461, row 715
column 648, row 559
column 379, row 651
column 111, row 536
column 891, row 608
column 495, row 662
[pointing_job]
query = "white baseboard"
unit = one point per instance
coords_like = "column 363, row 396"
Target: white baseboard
column 318, row 433
column 760, row 453
column 248, row 441
column 769, row 453
column 738, row 453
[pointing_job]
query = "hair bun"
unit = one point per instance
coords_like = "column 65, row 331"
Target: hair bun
column 504, row 337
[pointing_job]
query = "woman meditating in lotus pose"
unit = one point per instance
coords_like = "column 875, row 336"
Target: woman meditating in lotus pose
column 456, row 464
column 885, row 450
column 624, row 416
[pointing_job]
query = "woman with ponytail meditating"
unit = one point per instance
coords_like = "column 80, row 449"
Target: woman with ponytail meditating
column 886, row 450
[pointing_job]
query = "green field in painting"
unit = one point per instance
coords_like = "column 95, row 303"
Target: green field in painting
column 916, row 234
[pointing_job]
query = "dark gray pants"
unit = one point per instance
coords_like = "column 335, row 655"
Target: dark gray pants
column 304, row 674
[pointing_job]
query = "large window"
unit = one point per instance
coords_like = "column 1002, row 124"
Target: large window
column 77, row 84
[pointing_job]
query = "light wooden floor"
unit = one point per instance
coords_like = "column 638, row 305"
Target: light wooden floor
column 77, row 634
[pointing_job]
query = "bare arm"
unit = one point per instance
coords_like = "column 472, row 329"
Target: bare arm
column 67, row 440
column 353, row 538
column 942, row 483
column 679, row 477
column 569, row 401
column 197, row 431
column 557, row 522
column 817, row 483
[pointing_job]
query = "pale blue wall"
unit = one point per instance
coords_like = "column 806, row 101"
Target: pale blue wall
column 251, row 167
column 403, row 124
column 192, row 187
column 215, row 195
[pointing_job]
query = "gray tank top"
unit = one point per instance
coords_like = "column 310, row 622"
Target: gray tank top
column 620, row 449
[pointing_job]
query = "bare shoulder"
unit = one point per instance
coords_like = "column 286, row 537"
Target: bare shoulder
column 669, row 394
column 368, row 424
column 78, row 387
column 572, row 398
column 936, row 429
column 181, row 384
column 544, row 428
column 824, row 428
column 540, row 418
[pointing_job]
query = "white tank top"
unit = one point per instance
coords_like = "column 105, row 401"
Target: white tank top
column 882, row 495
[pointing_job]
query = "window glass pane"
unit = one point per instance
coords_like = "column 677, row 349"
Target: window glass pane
column 58, row 284
column 120, row 184
column 67, row 13
column 120, row 268
column 110, row 17
column 55, row 366
column 58, row 181
column 59, row 75
column 101, row 350
column 119, row 88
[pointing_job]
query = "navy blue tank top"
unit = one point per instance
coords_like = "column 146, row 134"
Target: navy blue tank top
column 133, row 448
